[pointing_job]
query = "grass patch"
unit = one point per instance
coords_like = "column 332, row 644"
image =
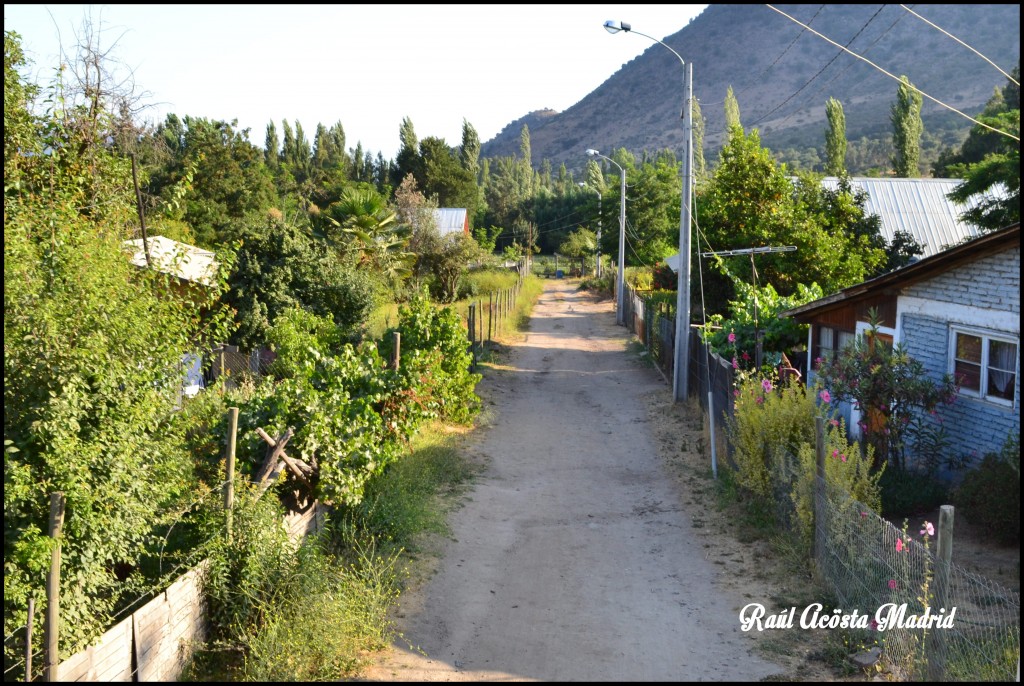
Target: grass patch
column 407, row 500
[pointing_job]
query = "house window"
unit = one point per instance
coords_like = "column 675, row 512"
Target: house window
column 831, row 340
column 985, row 366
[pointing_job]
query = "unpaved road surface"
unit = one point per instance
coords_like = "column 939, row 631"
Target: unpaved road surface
column 573, row 557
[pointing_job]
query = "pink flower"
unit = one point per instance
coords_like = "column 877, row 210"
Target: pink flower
column 842, row 458
column 874, row 625
column 835, row 453
column 735, row 365
column 899, row 548
column 825, row 396
column 766, row 385
column 892, row 584
column 834, row 422
column 732, row 337
column 736, row 393
column 760, row 400
column 928, row 529
column 745, row 356
column 863, row 514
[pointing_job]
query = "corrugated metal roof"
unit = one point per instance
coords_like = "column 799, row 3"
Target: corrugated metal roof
column 178, row 259
column 916, row 206
column 450, row 219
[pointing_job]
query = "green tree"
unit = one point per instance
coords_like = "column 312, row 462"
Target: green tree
column 835, row 139
column 444, row 176
column 408, row 160
column 271, row 147
column 229, row 182
column 92, row 354
column 732, row 112
column 581, row 245
column 907, row 127
column 280, row 267
column 994, row 182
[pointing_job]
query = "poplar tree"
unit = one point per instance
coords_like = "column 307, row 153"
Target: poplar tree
column 835, row 139
column 906, row 130
column 271, row 146
column 408, row 160
column 699, row 165
column 732, row 113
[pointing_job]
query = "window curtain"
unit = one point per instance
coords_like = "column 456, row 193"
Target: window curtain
column 1002, row 361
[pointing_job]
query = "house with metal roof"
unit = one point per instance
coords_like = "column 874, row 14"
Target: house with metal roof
column 919, row 207
column 957, row 312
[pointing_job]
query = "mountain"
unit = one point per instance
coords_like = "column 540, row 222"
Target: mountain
column 782, row 75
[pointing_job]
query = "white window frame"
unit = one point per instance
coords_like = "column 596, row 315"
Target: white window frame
column 985, row 335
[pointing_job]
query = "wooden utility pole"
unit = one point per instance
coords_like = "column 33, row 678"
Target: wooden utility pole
column 142, row 215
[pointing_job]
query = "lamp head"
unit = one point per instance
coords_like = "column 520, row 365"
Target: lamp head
column 591, row 152
column 612, row 26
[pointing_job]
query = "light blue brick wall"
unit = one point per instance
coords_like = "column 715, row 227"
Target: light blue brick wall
column 991, row 283
column 974, row 426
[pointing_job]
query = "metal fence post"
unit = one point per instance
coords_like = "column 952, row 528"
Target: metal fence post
column 818, row 541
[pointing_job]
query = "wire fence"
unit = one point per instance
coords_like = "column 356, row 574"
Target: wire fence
column 931, row 619
column 865, row 561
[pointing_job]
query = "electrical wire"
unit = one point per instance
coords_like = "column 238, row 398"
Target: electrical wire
column 829, row 64
column 939, row 28
column 845, row 69
column 896, row 78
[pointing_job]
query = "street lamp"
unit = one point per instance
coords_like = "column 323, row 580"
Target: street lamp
column 598, row 191
column 680, row 378
column 620, row 290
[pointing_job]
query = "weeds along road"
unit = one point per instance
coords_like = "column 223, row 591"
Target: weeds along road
column 572, row 558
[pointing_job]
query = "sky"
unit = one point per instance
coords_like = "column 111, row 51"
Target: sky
column 367, row 66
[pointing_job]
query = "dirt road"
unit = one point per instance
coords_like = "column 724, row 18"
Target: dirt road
column 573, row 558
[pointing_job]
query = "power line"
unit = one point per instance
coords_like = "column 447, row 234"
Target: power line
column 847, row 67
column 939, row 28
column 829, row 64
column 781, row 55
column 896, row 78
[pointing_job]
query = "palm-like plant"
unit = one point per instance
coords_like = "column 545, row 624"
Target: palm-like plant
column 371, row 228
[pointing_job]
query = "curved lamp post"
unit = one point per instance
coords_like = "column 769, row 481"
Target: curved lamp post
column 680, row 378
column 598, row 266
column 620, row 291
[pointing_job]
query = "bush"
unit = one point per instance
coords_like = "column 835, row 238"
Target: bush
column 765, row 420
column 910, row 492
column 990, row 494
column 845, row 470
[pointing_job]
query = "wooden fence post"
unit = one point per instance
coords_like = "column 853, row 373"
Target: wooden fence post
column 52, row 659
column 472, row 336
column 490, row 316
column 818, row 531
column 943, row 559
column 229, row 485
column 396, row 353
column 28, row 637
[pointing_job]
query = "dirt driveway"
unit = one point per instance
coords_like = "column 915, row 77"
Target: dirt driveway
column 573, row 557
